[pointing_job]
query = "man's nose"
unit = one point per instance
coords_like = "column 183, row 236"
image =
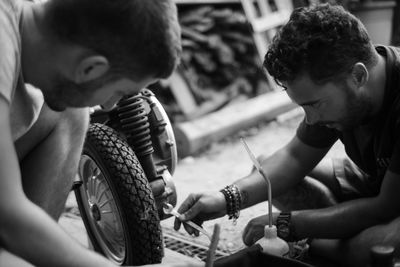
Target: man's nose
column 311, row 117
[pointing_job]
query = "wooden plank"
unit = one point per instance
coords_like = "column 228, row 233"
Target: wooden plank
column 265, row 23
column 264, row 7
column 271, row 21
column 194, row 135
column 182, row 94
column 261, row 43
column 249, row 10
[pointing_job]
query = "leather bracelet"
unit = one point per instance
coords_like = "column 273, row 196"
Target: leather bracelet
column 233, row 199
column 228, row 199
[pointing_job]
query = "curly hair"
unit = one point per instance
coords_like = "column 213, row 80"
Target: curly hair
column 138, row 37
column 323, row 41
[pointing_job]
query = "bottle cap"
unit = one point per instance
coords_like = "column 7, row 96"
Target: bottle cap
column 382, row 255
column 270, row 231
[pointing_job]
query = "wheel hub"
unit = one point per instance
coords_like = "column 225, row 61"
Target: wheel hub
column 95, row 212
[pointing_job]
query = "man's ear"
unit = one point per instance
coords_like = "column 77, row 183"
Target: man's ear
column 90, row 68
column 359, row 75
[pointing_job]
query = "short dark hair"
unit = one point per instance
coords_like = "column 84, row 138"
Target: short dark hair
column 138, row 37
column 323, row 41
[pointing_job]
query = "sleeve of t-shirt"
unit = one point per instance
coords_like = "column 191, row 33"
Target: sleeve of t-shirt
column 316, row 135
column 8, row 51
column 394, row 165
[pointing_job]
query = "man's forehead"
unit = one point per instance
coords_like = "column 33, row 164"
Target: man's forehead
column 303, row 89
column 298, row 85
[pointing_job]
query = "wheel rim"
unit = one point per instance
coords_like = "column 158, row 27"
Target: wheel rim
column 103, row 215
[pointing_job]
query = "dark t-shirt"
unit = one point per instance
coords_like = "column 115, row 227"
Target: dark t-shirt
column 374, row 147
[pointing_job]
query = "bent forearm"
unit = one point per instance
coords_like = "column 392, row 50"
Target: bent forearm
column 32, row 235
column 253, row 190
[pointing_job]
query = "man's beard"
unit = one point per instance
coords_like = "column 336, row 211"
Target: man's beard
column 60, row 96
column 66, row 93
column 358, row 111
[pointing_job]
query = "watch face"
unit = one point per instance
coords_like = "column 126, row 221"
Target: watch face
column 283, row 231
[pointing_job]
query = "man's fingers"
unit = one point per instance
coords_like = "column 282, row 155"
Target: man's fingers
column 190, row 215
column 249, row 239
column 188, row 210
column 188, row 203
column 192, row 212
column 177, row 224
column 190, row 230
column 251, row 235
column 246, row 236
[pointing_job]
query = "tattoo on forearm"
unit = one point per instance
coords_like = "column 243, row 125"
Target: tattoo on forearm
column 245, row 198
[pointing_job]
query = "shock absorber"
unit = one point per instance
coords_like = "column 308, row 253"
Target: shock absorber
column 130, row 118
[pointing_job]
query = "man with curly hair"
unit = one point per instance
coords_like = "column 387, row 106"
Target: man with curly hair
column 350, row 91
column 57, row 58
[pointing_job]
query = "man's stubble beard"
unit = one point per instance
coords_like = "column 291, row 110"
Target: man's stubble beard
column 358, row 111
column 66, row 93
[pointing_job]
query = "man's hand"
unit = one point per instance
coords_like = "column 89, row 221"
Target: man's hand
column 200, row 208
column 254, row 230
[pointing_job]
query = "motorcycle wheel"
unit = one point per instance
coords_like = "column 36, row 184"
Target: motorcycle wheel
column 116, row 202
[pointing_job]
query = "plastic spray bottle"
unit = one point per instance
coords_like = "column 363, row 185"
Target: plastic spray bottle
column 270, row 243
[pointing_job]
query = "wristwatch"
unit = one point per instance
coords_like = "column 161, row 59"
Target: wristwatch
column 284, row 229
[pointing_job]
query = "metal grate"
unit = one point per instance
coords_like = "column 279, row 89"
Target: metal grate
column 174, row 241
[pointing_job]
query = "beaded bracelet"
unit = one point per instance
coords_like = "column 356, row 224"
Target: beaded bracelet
column 233, row 198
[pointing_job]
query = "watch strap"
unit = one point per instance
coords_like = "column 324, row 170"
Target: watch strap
column 284, row 227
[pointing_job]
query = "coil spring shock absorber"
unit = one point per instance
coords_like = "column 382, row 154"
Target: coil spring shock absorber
column 131, row 119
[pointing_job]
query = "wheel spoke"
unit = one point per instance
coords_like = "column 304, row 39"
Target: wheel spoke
column 106, row 211
column 91, row 177
column 102, row 211
column 92, row 168
column 96, row 170
column 100, row 189
column 93, row 186
column 105, row 202
column 89, row 187
column 114, row 237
